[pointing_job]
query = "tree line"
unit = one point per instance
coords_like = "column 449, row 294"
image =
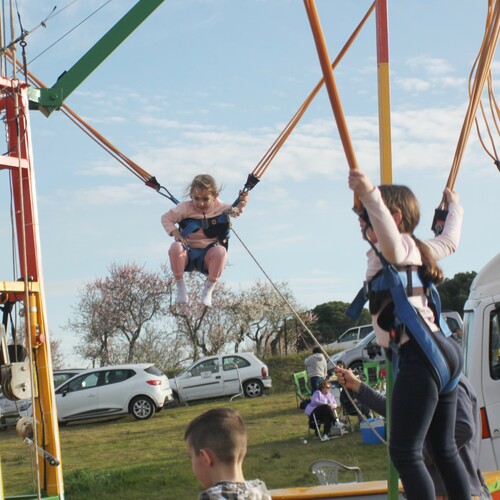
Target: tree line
column 129, row 316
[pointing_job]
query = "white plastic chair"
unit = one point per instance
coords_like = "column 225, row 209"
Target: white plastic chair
column 327, row 471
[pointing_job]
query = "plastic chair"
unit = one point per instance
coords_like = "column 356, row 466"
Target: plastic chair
column 302, row 387
column 371, row 370
column 327, row 471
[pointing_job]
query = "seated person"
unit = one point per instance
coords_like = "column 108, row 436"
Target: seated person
column 322, row 406
column 217, row 444
column 349, row 407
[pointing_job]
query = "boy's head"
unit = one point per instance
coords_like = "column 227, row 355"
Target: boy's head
column 215, row 439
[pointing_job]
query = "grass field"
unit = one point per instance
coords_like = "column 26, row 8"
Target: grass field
column 126, row 459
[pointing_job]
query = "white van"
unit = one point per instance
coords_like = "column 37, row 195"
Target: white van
column 481, row 342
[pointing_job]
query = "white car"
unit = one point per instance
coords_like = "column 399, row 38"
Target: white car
column 11, row 411
column 222, row 375
column 108, row 391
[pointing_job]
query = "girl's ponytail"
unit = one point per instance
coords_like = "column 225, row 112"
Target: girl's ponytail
column 429, row 271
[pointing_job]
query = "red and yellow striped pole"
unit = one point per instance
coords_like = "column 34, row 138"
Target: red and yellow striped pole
column 384, row 97
column 385, row 146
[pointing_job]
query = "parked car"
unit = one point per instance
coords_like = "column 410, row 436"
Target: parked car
column 368, row 349
column 222, row 375
column 351, row 337
column 353, row 358
column 108, row 391
column 11, row 411
column 60, row 376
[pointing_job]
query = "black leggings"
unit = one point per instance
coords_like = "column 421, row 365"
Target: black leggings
column 324, row 415
column 418, row 412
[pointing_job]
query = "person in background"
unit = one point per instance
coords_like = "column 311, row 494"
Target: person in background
column 316, row 367
column 217, row 444
column 346, row 402
column 467, row 430
column 322, row 407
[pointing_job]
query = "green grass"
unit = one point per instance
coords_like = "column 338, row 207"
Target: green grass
column 128, row 459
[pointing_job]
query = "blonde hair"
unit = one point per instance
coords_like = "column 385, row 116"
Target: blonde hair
column 220, row 430
column 203, row 182
column 401, row 199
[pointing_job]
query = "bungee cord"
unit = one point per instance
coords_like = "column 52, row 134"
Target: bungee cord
column 307, row 330
column 480, row 74
column 253, row 178
column 493, row 106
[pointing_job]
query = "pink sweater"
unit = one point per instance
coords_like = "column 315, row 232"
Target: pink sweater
column 405, row 252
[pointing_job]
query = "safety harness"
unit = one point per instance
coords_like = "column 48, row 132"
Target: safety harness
column 399, row 285
column 213, row 227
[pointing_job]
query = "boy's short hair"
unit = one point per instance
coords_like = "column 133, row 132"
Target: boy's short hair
column 220, row 430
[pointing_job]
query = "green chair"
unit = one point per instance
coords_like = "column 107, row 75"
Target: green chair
column 371, row 371
column 302, row 386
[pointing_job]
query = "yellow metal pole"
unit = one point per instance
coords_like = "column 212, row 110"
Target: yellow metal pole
column 384, row 96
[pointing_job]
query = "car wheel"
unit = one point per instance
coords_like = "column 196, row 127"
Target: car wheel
column 253, row 388
column 142, row 408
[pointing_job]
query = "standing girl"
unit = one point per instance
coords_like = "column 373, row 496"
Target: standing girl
column 420, row 406
column 200, row 228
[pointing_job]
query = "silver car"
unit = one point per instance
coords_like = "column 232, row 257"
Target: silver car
column 366, row 350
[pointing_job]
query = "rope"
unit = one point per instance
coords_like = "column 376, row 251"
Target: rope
column 99, row 139
column 283, row 136
column 69, row 31
column 481, row 70
column 306, row 328
column 494, row 110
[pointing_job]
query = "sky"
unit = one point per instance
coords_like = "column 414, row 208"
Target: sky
column 205, row 86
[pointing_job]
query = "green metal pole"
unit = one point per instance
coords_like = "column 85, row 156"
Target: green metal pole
column 52, row 98
column 393, row 490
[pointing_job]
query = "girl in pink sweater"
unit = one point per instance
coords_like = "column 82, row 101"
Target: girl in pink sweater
column 200, row 228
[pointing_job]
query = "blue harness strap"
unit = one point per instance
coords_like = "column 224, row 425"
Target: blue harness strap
column 407, row 316
column 215, row 225
column 416, row 328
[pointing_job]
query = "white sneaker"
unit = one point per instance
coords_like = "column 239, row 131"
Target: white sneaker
column 206, row 293
column 324, row 437
column 182, row 295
